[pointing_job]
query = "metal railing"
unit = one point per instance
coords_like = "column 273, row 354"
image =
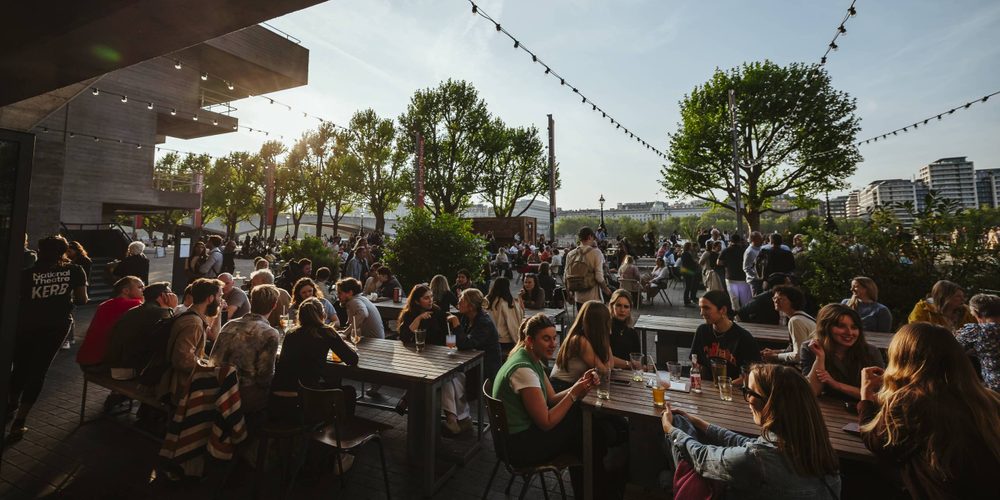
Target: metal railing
column 278, row 31
column 173, row 182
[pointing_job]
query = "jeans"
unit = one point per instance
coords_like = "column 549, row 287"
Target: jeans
column 691, row 288
column 740, row 293
column 34, row 350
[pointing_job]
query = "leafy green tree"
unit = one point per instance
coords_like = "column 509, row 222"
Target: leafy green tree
column 517, row 167
column 342, row 197
column 795, row 136
column 318, row 159
column 290, row 188
column 269, row 155
column 376, row 168
column 314, row 249
column 425, row 246
column 233, row 192
column 454, row 122
column 182, row 169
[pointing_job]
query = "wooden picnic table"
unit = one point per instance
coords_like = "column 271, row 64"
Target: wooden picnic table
column 674, row 331
column 390, row 311
column 635, row 402
column 395, row 364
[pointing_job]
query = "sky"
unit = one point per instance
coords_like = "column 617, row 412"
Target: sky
column 903, row 60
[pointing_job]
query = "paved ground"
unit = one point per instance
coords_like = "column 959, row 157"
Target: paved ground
column 104, row 459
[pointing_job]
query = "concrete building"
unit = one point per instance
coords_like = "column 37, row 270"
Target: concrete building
column 643, row 211
column 953, row 178
column 838, row 207
column 988, row 187
column 852, row 206
column 890, row 193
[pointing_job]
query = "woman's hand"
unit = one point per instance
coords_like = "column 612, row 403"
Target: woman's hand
column 667, row 419
column 824, row 376
column 817, row 349
column 426, row 315
column 871, row 382
column 453, row 321
column 583, row 386
column 769, row 355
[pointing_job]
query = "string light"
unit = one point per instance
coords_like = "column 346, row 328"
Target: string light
column 124, row 98
column 95, row 91
column 204, row 76
column 925, row 121
column 177, row 64
column 841, row 31
column 149, row 106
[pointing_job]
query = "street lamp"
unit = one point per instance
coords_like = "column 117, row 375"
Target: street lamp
column 601, row 200
column 286, row 224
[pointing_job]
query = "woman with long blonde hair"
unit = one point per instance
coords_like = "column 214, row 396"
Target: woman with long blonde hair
column 944, row 307
column 875, row 316
column 587, row 345
column 929, row 416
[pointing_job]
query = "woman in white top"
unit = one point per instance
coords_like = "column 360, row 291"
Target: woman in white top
column 507, row 312
column 587, row 345
column 789, row 301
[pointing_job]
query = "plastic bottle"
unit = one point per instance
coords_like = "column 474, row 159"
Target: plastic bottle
column 695, row 375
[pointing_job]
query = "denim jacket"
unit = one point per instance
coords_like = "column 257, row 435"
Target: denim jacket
column 749, row 467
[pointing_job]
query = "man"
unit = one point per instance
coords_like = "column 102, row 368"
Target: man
column 722, row 339
column 361, row 313
column 237, row 303
column 211, row 266
column 749, row 259
column 716, row 237
column 186, row 347
column 306, row 266
column 357, row 267
column 127, row 293
column 128, row 347
column 775, row 259
column 266, row 277
column 463, row 281
column 761, row 307
column 736, row 277
column 789, row 301
column 584, row 270
column 250, row 344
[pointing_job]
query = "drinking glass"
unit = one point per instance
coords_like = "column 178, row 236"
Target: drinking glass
column 659, row 395
column 449, row 340
column 604, row 383
column 718, row 367
column 283, row 321
column 420, row 337
column 675, row 371
column 725, row 385
column 649, row 368
column 635, row 359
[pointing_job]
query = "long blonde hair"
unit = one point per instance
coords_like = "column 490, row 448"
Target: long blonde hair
column 592, row 323
column 870, row 288
column 941, row 294
column 932, row 398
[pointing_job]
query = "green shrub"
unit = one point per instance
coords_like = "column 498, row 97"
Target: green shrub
column 314, row 249
column 425, row 246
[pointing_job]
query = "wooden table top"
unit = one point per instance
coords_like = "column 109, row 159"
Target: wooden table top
column 636, row 401
column 390, row 310
column 762, row 332
column 403, row 361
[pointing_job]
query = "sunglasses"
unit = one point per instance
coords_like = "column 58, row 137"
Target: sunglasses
column 747, row 392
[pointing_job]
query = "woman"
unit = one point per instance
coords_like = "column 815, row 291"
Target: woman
column 135, row 263
column 982, row 339
column 444, row 298
column 48, row 291
column 78, row 255
column 305, row 288
column 624, row 339
column 689, row 271
column 303, row 358
column 792, row 458
column 387, row 282
column 833, row 359
column 260, row 263
column 656, row 279
column 586, row 346
column 372, row 283
column 557, row 260
column 532, row 295
column 709, row 262
column 629, row 277
column 547, row 282
column 875, row 317
column 199, row 252
column 930, row 418
column 945, row 307
column 543, row 423
column 507, row 312
column 420, row 312
column 789, row 301
column 473, row 330
column 229, row 258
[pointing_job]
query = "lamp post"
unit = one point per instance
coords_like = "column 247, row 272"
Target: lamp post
column 286, row 224
column 601, row 200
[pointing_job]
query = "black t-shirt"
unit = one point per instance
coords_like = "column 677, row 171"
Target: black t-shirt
column 47, row 293
column 624, row 339
column 732, row 258
column 303, row 356
column 737, row 346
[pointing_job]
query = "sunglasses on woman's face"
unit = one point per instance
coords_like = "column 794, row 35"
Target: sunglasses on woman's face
column 747, row 392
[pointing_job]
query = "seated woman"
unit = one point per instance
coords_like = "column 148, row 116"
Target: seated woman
column 928, row 417
column 656, row 279
column 386, row 282
column 506, row 312
column 548, row 283
column 444, row 298
column 473, row 330
column 945, row 307
column 792, row 458
column 875, row 317
column 420, row 312
column 372, row 282
column 982, row 339
column 789, row 301
column 624, row 339
column 629, row 277
column 833, row 359
column 303, row 356
column 306, row 288
column 542, row 423
column 587, row 345
column 532, row 295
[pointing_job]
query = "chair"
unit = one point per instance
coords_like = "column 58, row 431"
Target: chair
column 634, row 288
column 499, row 432
column 324, row 409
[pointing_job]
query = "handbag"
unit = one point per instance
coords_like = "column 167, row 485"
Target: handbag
column 688, row 485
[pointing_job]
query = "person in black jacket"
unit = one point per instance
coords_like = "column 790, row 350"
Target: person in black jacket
column 135, row 263
column 776, row 259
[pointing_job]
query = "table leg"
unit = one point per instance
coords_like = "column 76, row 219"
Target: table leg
column 432, row 409
column 479, row 414
column 415, row 423
column 588, row 453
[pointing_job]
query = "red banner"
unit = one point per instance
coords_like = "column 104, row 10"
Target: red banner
column 420, row 172
column 198, row 179
column 138, row 222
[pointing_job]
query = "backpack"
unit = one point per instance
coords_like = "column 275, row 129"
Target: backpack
column 579, row 274
column 158, row 347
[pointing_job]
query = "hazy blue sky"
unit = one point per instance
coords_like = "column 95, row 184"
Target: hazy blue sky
column 902, row 60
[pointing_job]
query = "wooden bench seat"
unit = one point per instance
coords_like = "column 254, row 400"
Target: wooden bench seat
column 129, row 388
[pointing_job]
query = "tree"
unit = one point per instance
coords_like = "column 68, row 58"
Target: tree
column 290, row 188
column 376, row 168
column 268, row 154
column 233, row 192
column 341, row 197
column 418, row 251
column 180, row 170
column 516, row 167
column 795, row 136
column 320, row 163
column 454, row 122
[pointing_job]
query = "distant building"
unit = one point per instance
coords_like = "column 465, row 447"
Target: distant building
column 538, row 209
column 890, row 193
column 988, row 187
column 952, row 178
column 852, row 206
column 838, row 207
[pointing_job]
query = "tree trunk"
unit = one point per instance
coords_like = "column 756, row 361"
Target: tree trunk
column 380, row 222
column 263, row 225
column 336, row 219
column 320, row 208
column 753, row 219
column 274, row 225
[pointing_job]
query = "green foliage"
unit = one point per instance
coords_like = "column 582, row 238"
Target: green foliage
column 426, row 245
column 376, row 167
column 517, row 168
column 233, row 189
column 314, row 249
column 794, row 143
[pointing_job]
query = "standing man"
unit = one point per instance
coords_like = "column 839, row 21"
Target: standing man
column 736, row 277
column 212, row 266
column 584, row 275
column 750, row 259
column 237, row 303
column 361, row 313
column 357, row 267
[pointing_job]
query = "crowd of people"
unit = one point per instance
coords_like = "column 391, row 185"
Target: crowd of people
column 928, row 411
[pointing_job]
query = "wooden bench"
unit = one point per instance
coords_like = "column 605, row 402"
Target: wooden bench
column 129, row 388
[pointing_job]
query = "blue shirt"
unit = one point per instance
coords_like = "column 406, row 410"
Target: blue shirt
column 875, row 317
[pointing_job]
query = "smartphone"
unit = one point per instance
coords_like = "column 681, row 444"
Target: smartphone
column 852, row 428
column 620, row 382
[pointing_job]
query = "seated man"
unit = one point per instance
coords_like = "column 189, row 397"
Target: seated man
column 720, row 338
column 266, row 277
column 250, row 344
column 126, row 294
column 186, row 346
column 761, row 307
column 129, row 348
column 362, row 315
column 237, row 303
